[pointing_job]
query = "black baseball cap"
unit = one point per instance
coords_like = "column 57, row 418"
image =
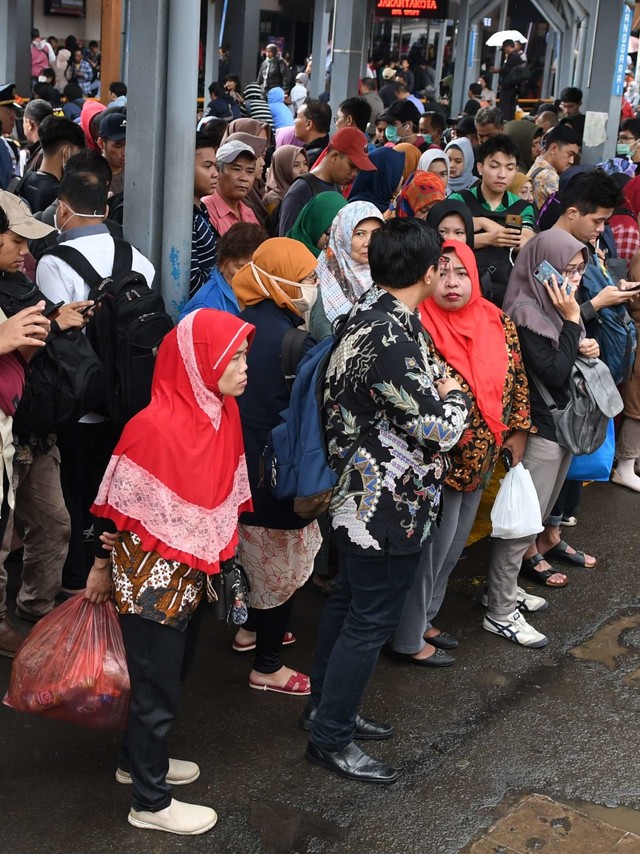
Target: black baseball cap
column 401, row 111
column 113, row 126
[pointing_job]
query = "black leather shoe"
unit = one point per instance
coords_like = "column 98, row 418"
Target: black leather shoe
column 351, row 762
column 439, row 658
column 366, row 730
column 443, row 641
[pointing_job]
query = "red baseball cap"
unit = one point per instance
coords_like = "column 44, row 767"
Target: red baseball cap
column 354, row 144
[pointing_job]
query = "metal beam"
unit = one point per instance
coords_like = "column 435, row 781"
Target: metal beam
column 321, row 35
column 348, row 62
column 550, row 14
column 462, row 49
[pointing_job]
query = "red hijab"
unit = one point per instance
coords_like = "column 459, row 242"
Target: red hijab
column 89, row 110
column 472, row 341
column 178, row 477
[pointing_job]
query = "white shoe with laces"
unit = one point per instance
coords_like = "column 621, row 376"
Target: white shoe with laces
column 179, row 774
column 527, row 602
column 516, row 629
column 178, row 817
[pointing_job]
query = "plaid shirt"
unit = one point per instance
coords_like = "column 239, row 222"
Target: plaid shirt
column 626, row 234
column 84, row 82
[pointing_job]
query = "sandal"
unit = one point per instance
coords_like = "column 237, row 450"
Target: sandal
column 287, row 639
column 298, row 685
column 540, row 576
column 559, row 552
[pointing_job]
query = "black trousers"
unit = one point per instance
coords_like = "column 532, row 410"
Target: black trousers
column 85, row 451
column 159, row 658
column 269, row 624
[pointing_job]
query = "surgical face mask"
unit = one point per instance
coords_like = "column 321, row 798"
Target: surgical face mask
column 42, row 79
column 59, row 228
column 391, row 133
column 427, row 138
column 623, row 149
column 303, row 303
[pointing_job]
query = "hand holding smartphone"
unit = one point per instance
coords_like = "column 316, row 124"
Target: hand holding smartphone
column 543, row 273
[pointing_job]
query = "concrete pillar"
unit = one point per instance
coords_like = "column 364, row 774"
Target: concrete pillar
column 463, row 47
column 111, row 45
column 8, row 39
column 144, row 172
column 442, row 40
column 242, row 32
column 348, row 62
column 214, row 18
column 606, row 80
column 321, row 36
column 21, row 48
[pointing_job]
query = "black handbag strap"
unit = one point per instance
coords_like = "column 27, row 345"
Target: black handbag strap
column 291, row 353
column 550, row 403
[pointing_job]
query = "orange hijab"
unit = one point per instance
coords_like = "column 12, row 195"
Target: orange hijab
column 274, row 265
column 472, row 341
column 411, row 158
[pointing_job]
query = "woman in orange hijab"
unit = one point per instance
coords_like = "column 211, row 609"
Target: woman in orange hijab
column 277, row 547
column 479, row 345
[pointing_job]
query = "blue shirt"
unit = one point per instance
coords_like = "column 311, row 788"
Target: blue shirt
column 216, row 293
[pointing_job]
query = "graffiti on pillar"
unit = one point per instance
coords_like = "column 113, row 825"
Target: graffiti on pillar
column 623, row 50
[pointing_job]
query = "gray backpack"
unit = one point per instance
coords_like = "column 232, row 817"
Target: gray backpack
column 581, row 426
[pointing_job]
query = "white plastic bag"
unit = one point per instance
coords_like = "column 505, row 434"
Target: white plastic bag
column 516, row 510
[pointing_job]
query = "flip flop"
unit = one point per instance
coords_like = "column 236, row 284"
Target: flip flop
column 542, row 576
column 559, row 552
column 287, row 640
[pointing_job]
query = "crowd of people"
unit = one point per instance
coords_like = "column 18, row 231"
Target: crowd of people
column 460, row 270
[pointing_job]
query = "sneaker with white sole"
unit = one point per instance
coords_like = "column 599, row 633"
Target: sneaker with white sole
column 179, row 774
column 178, row 817
column 516, row 629
column 526, row 602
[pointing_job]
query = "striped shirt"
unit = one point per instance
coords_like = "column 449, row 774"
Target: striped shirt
column 204, row 242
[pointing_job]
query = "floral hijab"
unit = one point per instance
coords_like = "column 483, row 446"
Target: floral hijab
column 342, row 281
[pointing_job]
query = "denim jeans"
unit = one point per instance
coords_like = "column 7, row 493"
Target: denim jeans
column 359, row 617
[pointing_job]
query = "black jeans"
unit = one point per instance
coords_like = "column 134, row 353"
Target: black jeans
column 269, row 624
column 360, row 615
column 158, row 658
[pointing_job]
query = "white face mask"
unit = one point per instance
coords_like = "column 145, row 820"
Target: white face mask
column 59, row 228
column 302, row 304
column 42, row 79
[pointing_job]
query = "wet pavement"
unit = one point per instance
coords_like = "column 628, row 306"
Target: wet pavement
column 474, row 742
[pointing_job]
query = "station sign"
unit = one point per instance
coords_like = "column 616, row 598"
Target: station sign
column 437, row 9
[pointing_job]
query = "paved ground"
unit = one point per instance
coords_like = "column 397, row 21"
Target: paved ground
column 472, row 741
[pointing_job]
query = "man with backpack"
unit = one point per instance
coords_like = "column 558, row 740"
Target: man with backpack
column 86, row 244
column 585, row 207
column 503, row 222
column 346, row 154
column 390, row 413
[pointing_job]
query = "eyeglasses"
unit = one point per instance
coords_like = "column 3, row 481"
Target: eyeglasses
column 311, row 279
column 626, row 138
column 570, row 272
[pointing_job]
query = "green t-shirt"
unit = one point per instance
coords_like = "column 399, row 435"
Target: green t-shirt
column 527, row 214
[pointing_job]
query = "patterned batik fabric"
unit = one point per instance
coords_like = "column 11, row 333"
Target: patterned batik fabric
column 277, row 562
column 152, row 587
column 383, row 411
column 474, row 458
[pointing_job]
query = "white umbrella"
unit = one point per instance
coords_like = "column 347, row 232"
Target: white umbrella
column 497, row 39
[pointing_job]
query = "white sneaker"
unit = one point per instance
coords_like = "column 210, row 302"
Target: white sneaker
column 516, row 629
column 183, row 819
column 179, row 774
column 526, row 601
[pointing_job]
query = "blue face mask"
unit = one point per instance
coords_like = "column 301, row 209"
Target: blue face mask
column 623, row 149
column 391, row 133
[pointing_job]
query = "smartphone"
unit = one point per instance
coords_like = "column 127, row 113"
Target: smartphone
column 53, row 309
column 513, row 221
column 636, row 287
column 96, row 303
column 545, row 270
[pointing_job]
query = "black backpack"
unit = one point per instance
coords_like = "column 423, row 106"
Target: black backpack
column 126, row 330
column 65, row 379
column 494, row 262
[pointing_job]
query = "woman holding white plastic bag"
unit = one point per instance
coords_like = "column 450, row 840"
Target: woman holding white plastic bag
column 480, row 345
column 551, row 334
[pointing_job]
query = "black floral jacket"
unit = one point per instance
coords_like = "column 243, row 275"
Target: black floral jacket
column 383, row 412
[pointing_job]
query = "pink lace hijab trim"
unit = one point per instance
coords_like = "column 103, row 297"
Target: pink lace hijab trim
column 204, row 533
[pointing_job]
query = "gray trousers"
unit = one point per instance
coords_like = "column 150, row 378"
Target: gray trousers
column 45, row 528
column 628, row 445
column 547, row 463
column 439, row 557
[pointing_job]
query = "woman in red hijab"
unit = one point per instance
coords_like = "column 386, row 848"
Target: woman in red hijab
column 174, row 489
column 480, row 347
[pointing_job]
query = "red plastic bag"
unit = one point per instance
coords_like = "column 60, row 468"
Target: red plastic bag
column 73, row 667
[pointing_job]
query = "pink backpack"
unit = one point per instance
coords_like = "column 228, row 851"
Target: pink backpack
column 39, row 60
